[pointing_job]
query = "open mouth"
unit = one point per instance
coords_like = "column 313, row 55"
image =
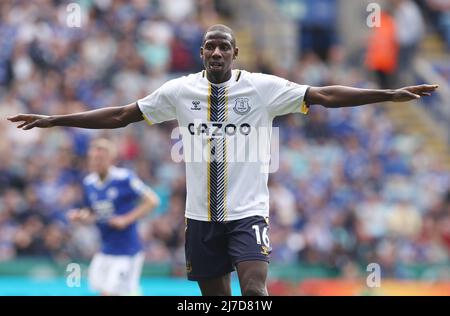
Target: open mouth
column 215, row 65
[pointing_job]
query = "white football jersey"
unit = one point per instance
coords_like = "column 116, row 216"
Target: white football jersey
column 226, row 131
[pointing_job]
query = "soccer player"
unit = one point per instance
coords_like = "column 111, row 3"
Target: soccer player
column 115, row 200
column 227, row 206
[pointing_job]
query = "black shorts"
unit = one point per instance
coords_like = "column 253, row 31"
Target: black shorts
column 214, row 248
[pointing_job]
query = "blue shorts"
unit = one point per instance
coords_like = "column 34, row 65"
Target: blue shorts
column 214, row 248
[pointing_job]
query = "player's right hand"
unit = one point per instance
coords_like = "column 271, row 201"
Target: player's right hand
column 79, row 215
column 28, row 121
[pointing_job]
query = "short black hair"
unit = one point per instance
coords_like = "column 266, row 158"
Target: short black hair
column 221, row 28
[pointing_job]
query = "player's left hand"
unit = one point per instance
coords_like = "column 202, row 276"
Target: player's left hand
column 119, row 222
column 413, row 92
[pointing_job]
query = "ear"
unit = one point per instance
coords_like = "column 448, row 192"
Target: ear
column 201, row 51
column 236, row 52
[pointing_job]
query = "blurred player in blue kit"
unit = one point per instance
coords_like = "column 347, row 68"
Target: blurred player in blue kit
column 115, row 199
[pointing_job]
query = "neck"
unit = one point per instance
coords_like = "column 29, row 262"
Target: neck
column 102, row 175
column 218, row 78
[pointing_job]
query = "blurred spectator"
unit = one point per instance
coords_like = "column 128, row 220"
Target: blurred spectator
column 382, row 51
column 437, row 13
column 318, row 27
column 372, row 217
column 317, row 22
column 404, row 220
column 410, row 29
column 350, row 188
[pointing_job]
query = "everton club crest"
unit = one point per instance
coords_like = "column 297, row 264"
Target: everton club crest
column 241, row 106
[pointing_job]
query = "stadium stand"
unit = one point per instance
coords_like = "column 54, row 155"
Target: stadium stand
column 353, row 187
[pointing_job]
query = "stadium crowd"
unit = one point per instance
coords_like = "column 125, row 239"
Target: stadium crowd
column 350, row 187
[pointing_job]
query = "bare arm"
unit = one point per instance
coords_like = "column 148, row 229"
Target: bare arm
column 83, row 216
column 105, row 118
column 149, row 201
column 341, row 96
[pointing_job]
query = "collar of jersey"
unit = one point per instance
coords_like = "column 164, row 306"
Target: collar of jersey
column 101, row 184
column 226, row 83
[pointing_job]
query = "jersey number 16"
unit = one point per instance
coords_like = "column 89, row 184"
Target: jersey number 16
column 263, row 236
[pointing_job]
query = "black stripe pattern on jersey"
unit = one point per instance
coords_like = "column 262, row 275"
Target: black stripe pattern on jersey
column 217, row 180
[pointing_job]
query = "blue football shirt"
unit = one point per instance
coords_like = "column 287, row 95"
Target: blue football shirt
column 118, row 194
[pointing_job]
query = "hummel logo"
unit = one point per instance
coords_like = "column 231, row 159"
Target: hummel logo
column 195, row 105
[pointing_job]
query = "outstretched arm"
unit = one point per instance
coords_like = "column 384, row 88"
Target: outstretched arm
column 105, row 118
column 341, row 96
